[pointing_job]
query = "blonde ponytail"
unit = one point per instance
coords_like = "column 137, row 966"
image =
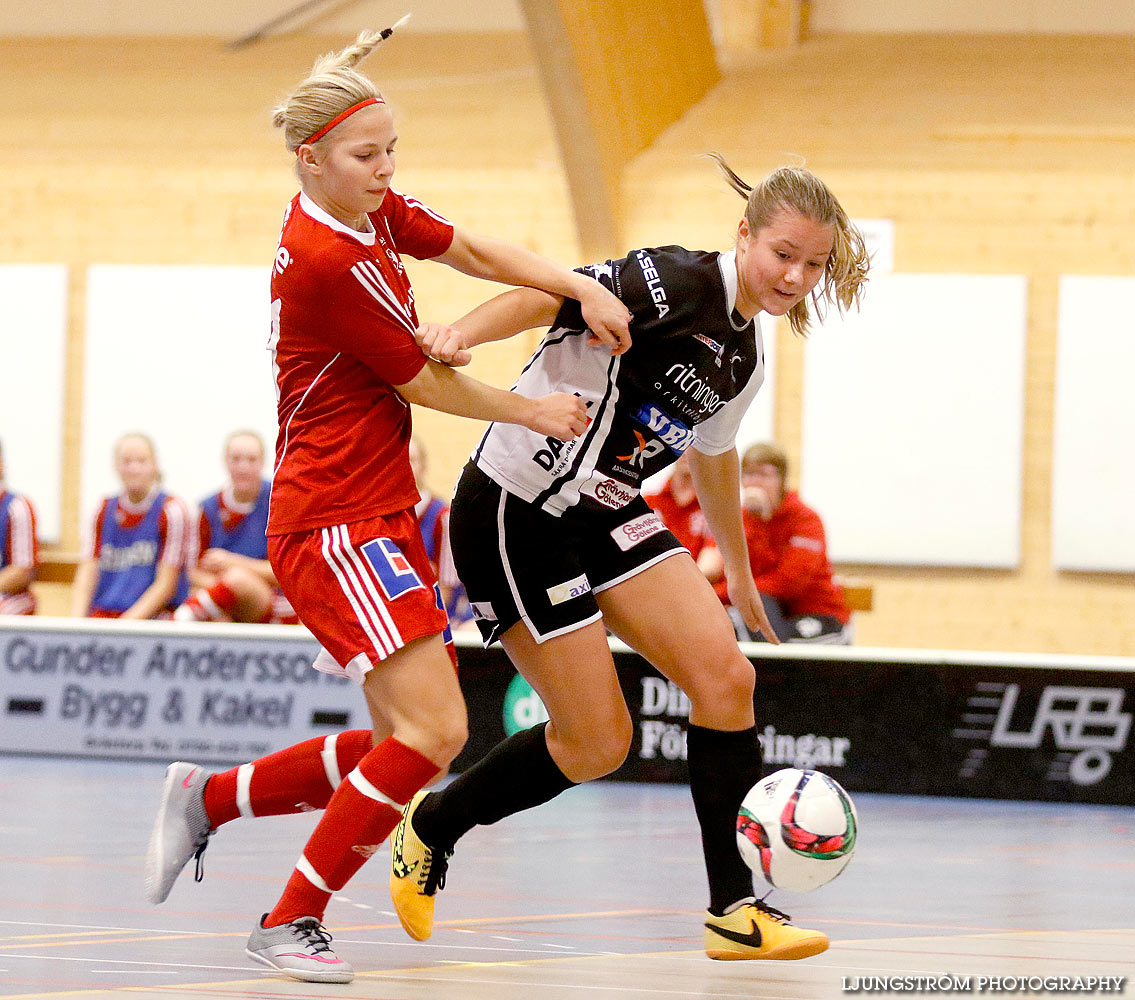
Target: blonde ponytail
column 332, row 87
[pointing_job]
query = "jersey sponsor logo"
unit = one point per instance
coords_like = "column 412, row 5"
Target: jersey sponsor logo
column 140, row 553
column 634, row 531
column 713, row 345
column 672, row 433
column 549, row 457
column 643, row 450
column 696, row 388
column 609, row 492
column 569, row 589
column 393, row 569
column 394, row 259
column 653, row 282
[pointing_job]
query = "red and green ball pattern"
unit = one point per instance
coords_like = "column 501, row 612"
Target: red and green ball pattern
column 795, row 837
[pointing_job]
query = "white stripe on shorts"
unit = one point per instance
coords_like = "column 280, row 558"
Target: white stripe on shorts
column 365, row 571
column 383, row 646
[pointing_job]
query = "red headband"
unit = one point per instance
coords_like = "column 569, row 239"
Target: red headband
column 339, row 119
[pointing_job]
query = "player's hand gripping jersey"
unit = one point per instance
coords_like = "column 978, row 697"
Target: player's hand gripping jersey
column 694, row 367
column 343, row 324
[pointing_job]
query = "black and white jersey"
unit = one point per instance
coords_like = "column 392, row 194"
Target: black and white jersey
column 692, row 370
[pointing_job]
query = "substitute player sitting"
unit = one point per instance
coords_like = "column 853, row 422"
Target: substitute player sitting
column 133, row 558
column 555, row 544
column 18, row 550
column 229, row 569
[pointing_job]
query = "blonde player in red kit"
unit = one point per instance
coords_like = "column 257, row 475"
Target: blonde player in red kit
column 343, row 538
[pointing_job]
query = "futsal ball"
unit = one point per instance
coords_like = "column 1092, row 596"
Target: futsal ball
column 797, row 828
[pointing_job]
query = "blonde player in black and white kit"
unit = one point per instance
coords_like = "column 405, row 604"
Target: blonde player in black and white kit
column 555, row 544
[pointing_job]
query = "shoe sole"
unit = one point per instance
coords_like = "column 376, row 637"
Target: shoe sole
column 153, row 866
column 785, row 953
column 300, row 974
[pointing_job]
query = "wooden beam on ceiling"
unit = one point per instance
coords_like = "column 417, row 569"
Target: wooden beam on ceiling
column 615, row 76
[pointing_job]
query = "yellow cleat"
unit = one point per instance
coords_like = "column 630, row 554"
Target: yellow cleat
column 756, row 931
column 416, row 874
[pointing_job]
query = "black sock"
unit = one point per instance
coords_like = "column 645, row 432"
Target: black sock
column 723, row 767
column 517, row 774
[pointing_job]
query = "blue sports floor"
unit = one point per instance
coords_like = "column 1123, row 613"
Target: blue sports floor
column 599, row 893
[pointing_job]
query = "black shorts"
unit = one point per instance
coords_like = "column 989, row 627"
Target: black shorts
column 520, row 563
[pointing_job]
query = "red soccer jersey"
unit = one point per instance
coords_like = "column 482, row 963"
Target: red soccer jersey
column 343, row 324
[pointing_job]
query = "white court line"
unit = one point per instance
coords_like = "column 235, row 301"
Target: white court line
column 421, row 945
column 119, row 961
column 748, row 994
column 138, row 972
column 106, row 927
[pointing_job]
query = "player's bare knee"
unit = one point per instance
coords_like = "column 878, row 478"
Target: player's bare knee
column 729, row 683
column 608, row 752
column 438, row 735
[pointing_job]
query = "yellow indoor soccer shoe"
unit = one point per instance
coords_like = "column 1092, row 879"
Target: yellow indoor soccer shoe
column 416, row 874
column 755, row 931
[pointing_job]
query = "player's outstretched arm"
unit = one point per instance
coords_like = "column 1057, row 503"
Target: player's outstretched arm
column 496, row 260
column 717, row 481
column 503, row 316
column 437, row 386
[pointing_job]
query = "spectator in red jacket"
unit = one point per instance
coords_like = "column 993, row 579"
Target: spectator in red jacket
column 788, row 556
column 677, row 504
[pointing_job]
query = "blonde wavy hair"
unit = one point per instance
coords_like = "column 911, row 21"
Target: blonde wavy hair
column 333, row 86
column 798, row 190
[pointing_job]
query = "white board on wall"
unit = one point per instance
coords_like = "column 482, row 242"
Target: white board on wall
column 913, row 422
column 179, row 353
column 1093, row 475
column 33, row 346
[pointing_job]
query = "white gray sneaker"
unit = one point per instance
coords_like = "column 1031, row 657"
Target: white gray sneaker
column 301, row 949
column 181, row 830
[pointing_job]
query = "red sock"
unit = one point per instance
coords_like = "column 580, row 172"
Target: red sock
column 301, row 778
column 223, row 597
column 360, row 816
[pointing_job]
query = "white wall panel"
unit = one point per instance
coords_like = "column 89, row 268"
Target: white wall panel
column 1093, row 472
column 180, row 354
column 912, row 425
column 33, row 356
